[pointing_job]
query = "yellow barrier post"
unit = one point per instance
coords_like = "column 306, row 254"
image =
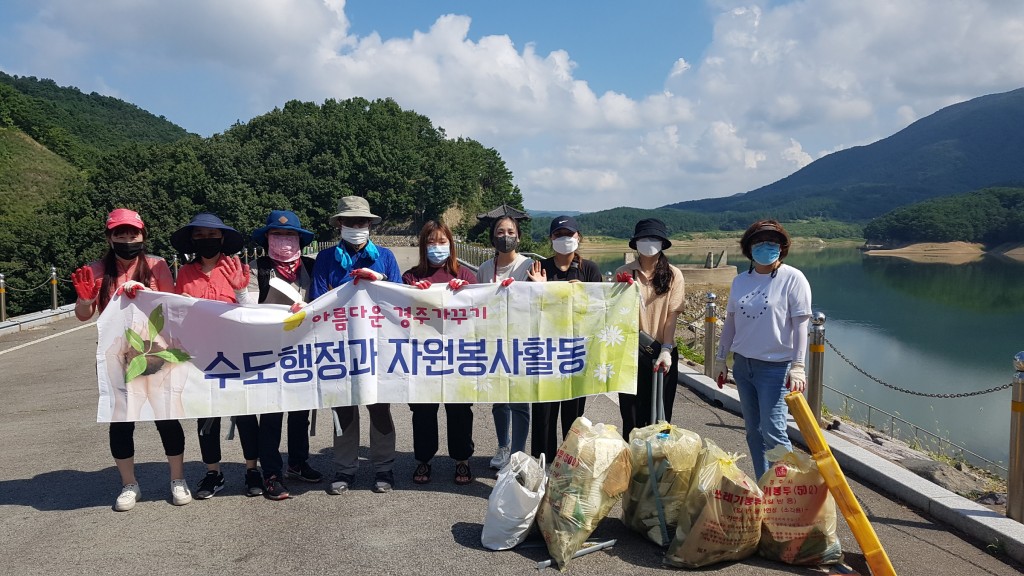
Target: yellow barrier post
column 3, row 299
column 53, row 287
column 710, row 322
column 877, row 559
column 816, row 366
column 1015, row 478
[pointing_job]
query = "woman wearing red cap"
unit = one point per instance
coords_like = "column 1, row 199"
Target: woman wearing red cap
column 127, row 267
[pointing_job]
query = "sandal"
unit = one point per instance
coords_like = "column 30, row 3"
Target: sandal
column 463, row 475
column 422, row 473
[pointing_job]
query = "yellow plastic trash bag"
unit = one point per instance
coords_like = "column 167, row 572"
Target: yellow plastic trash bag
column 723, row 514
column 799, row 512
column 667, row 454
column 588, row 476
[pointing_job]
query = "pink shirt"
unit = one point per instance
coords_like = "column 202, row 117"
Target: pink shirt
column 159, row 278
column 192, row 281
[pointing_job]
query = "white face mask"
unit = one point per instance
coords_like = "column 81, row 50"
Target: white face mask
column 565, row 245
column 648, row 246
column 355, row 236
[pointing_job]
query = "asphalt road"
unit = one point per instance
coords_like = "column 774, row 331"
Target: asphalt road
column 58, row 484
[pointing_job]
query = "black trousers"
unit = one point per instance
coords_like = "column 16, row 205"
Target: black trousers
column 270, row 441
column 425, row 431
column 544, row 437
column 635, row 409
column 248, row 434
column 122, row 438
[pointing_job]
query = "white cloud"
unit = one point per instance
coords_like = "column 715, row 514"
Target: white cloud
column 779, row 85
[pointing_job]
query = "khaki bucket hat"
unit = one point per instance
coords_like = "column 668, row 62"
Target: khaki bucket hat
column 353, row 207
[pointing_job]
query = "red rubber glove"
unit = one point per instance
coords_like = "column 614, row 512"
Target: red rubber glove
column 456, row 283
column 85, row 284
column 365, row 274
column 236, row 272
column 507, row 282
column 422, row 284
column 624, row 277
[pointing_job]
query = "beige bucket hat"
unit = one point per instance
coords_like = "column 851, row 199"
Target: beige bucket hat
column 353, row 207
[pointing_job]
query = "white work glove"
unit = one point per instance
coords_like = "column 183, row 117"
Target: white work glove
column 130, row 287
column 797, row 381
column 720, row 371
column 664, row 363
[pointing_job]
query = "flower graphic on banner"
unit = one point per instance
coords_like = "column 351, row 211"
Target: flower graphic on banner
column 604, row 372
column 148, row 356
column 611, row 336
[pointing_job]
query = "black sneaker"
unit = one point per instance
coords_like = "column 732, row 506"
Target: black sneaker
column 253, row 482
column 273, row 489
column 212, row 483
column 305, row 472
column 383, row 482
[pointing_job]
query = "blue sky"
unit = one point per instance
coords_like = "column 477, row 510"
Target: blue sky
column 591, row 104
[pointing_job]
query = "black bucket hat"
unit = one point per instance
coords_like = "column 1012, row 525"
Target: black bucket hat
column 181, row 240
column 650, row 228
column 282, row 220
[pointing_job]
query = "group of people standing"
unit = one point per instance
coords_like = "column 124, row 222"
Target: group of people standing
column 765, row 342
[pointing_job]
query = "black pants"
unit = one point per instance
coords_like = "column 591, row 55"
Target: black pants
column 248, row 434
column 270, row 441
column 544, row 437
column 425, row 431
column 122, row 438
column 636, row 408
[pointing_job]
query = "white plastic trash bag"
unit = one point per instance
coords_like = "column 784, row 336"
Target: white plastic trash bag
column 512, row 505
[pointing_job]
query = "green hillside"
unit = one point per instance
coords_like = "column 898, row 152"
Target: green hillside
column 964, row 147
column 77, row 126
column 991, row 216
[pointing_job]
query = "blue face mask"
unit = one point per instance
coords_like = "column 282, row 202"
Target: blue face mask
column 766, row 253
column 438, row 253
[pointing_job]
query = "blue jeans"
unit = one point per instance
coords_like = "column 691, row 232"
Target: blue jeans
column 762, row 388
column 518, row 414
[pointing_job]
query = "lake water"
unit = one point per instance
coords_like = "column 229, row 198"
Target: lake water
column 932, row 328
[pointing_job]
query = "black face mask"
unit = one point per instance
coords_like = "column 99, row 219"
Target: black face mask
column 506, row 244
column 207, row 247
column 127, row 250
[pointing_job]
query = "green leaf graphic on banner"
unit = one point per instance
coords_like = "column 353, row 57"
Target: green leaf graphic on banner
column 135, row 367
column 156, row 322
column 134, row 340
column 173, row 355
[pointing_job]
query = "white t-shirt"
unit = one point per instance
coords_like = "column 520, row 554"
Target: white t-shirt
column 518, row 269
column 763, row 309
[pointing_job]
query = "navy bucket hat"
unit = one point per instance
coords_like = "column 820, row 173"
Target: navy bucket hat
column 181, row 240
column 651, row 228
column 282, row 220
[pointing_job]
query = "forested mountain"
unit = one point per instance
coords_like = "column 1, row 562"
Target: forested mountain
column 301, row 157
column 78, row 127
column 991, row 216
column 963, row 147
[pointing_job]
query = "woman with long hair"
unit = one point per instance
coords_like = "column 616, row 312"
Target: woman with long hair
column 127, row 267
column 662, row 298
column 438, row 264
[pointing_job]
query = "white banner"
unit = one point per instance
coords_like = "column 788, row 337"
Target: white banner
column 166, row 356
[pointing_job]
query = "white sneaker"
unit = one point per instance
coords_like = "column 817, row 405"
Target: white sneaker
column 130, row 493
column 501, row 458
column 180, row 494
